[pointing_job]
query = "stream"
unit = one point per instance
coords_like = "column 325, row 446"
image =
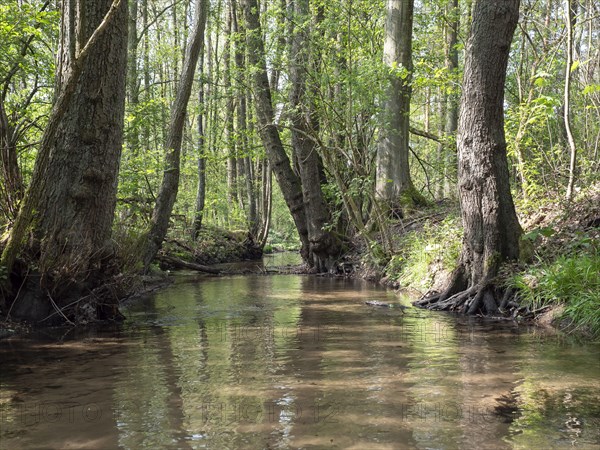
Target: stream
column 290, row 361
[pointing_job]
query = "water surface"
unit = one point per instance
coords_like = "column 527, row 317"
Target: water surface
column 296, row 362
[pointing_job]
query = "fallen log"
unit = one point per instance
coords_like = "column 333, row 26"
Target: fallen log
column 181, row 264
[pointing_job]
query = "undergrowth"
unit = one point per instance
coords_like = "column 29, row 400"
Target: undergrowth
column 572, row 281
column 425, row 252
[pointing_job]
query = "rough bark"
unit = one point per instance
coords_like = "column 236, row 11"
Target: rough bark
column 67, row 84
column 324, row 247
column 288, row 181
column 170, row 182
column 393, row 184
column 72, row 195
column 492, row 230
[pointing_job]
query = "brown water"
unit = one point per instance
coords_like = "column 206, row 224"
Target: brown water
column 296, row 362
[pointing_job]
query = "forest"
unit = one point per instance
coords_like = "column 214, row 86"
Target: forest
column 445, row 147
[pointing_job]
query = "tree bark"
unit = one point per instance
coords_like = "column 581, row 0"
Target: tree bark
column 244, row 162
column 570, row 17
column 72, row 194
column 11, row 186
column 201, row 162
column 232, row 197
column 491, row 228
column 452, row 99
column 324, row 247
column 393, row 184
column 170, row 184
column 288, row 181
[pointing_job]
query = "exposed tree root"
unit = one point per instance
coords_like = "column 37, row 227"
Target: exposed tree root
column 479, row 298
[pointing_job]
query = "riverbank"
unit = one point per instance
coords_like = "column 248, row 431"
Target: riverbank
column 556, row 282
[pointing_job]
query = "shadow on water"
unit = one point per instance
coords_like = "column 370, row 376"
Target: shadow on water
column 297, row 362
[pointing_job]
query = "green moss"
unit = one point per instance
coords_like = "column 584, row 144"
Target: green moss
column 411, row 198
column 526, row 249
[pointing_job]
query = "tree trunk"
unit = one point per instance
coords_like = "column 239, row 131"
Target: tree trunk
column 288, row 181
column 570, row 17
column 393, row 185
column 491, row 228
column 201, row 190
column 73, row 190
column 170, row 183
column 452, row 99
column 11, row 187
column 229, row 113
column 244, row 163
column 267, row 202
column 324, row 247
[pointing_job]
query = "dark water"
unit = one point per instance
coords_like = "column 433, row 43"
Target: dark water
column 296, row 362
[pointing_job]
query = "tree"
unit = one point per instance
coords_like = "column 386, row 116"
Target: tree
column 569, row 20
column 491, row 228
column 170, row 183
column 393, row 183
column 324, row 246
column 72, row 195
column 288, row 181
column 27, row 32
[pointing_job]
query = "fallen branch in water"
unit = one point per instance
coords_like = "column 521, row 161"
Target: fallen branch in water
column 181, row 264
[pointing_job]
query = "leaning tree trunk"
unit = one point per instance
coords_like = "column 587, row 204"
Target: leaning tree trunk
column 492, row 230
column 288, row 181
column 170, row 183
column 324, row 247
column 393, row 184
column 72, row 195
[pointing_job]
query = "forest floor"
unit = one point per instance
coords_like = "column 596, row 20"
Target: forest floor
column 556, row 282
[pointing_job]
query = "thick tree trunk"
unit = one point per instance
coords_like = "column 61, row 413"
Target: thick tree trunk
column 393, row 184
column 324, row 247
column 492, row 231
column 170, row 183
column 73, row 190
column 288, row 181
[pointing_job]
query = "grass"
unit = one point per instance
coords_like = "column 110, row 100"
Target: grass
column 572, row 281
column 424, row 252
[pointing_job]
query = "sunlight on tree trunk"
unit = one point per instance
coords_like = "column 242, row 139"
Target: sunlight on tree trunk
column 491, row 228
